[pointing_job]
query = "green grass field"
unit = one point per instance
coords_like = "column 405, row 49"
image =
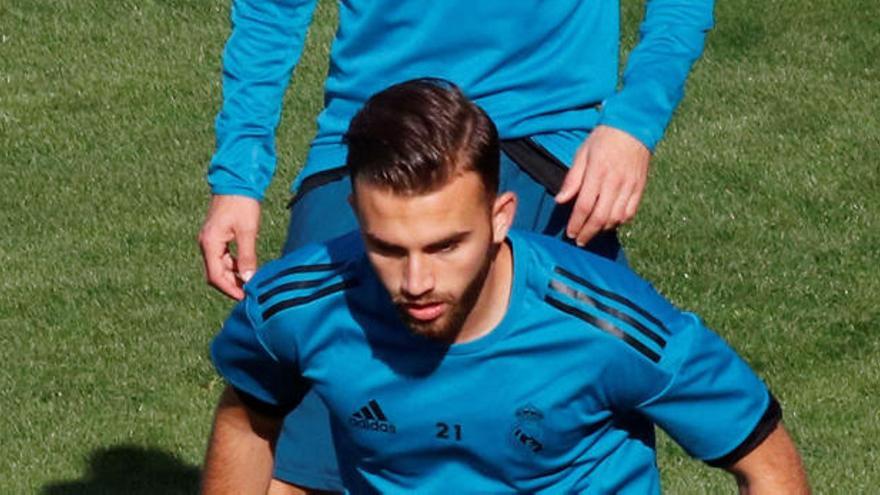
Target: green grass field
column 762, row 214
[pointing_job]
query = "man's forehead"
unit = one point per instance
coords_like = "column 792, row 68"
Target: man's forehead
column 464, row 190
column 422, row 219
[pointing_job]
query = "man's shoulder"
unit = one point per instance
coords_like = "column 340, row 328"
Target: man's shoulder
column 553, row 258
column 311, row 258
column 599, row 295
column 307, row 275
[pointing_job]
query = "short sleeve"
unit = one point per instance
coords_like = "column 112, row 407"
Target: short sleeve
column 714, row 405
column 270, row 383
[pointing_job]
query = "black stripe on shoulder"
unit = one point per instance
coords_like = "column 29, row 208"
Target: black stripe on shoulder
column 298, row 301
column 768, row 422
column 613, row 296
column 620, row 315
column 290, row 286
column 319, row 267
column 605, row 326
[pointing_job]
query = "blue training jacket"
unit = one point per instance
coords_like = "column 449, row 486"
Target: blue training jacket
column 540, row 68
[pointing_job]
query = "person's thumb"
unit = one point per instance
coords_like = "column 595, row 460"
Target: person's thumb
column 246, row 262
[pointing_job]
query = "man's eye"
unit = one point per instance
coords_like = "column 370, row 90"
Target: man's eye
column 387, row 251
column 446, row 247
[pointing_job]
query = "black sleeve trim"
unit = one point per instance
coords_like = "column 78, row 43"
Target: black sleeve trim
column 762, row 430
column 317, row 180
column 537, row 162
column 262, row 407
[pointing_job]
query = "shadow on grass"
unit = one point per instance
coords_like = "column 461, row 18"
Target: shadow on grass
column 131, row 470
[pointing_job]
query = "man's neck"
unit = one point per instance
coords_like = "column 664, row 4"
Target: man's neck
column 494, row 298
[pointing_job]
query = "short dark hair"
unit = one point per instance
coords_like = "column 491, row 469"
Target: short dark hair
column 416, row 136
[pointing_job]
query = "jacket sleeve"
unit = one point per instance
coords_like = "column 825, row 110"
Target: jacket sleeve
column 671, row 39
column 265, row 44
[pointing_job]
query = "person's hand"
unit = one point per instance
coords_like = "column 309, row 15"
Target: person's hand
column 605, row 182
column 230, row 219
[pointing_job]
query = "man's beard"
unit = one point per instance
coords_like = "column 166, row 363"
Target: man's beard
column 447, row 327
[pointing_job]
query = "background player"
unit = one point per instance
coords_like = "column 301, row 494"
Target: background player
column 546, row 72
column 455, row 355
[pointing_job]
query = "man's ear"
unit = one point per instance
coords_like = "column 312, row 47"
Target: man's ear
column 503, row 212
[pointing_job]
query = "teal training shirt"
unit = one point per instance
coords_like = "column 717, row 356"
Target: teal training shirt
column 539, row 68
column 560, row 397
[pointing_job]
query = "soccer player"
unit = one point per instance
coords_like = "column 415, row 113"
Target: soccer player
column 459, row 356
column 576, row 138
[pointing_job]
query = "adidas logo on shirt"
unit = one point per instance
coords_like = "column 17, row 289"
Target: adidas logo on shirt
column 371, row 417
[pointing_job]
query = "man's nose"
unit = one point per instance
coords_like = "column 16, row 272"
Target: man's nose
column 418, row 278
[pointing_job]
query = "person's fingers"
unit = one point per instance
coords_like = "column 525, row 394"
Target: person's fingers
column 574, row 179
column 617, row 215
column 582, row 208
column 231, row 284
column 228, row 261
column 219, row 264
column 600, row 213
column 635, row 199
column 230, row 218
column 212, row 253
column 607, row 177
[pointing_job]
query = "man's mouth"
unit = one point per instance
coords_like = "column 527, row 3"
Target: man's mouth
column 425, row 311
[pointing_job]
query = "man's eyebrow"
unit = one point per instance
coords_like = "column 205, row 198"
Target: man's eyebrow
column 383, row 244
column 456, row 237
column 372, row 239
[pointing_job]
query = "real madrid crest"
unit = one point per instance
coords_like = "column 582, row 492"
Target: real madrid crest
column 528, row 429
